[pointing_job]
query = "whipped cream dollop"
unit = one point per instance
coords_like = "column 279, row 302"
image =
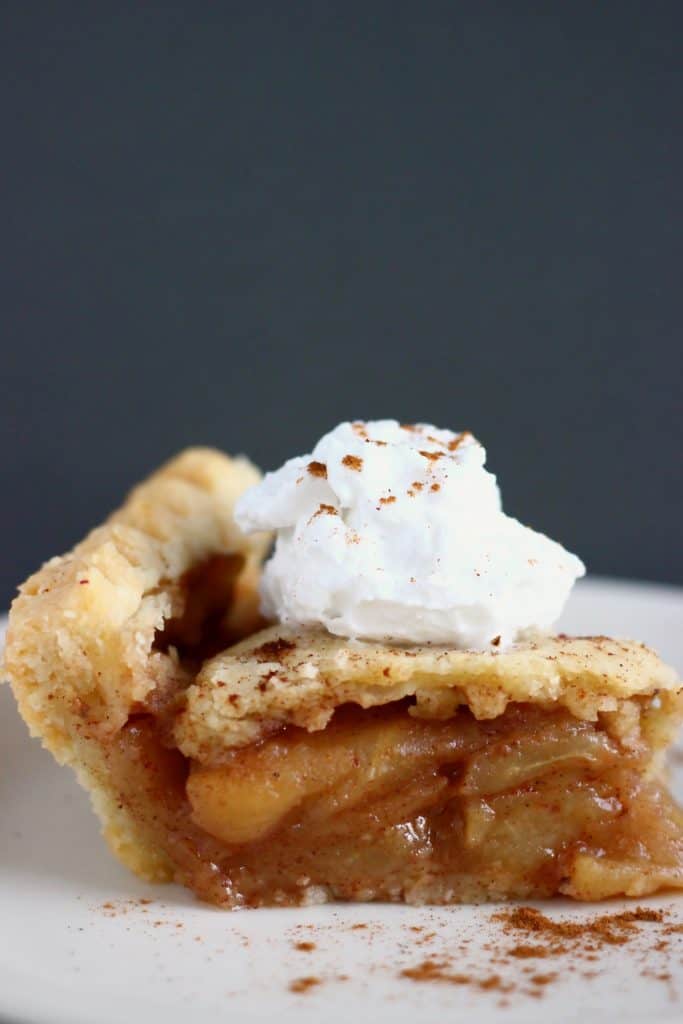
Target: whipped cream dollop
column 396, row 533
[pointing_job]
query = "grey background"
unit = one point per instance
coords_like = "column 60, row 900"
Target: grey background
column 239, row 223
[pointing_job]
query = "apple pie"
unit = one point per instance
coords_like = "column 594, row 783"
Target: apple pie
column 260, row 764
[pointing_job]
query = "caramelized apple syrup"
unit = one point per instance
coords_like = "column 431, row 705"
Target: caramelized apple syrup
column 382, row 805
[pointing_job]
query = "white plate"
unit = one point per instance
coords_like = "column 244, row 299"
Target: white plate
column 76, row 944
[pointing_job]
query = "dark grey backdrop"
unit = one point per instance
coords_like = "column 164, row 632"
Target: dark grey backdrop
column 237, row 224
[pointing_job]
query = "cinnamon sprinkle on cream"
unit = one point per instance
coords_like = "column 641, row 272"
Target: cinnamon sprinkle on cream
column 457, row 441
column 325, row 510
column 318, row 469
column 353, row 462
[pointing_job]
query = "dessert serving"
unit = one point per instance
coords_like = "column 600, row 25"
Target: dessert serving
column 380, row 710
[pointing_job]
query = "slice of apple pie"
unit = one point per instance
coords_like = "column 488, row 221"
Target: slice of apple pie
column 281, row 764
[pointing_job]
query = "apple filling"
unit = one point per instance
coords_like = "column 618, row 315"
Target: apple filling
column 383, row 805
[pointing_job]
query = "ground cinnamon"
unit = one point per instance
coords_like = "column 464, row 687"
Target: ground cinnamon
column 303, row 984
column 273, row 650
column 606, row 929
column 541, row 937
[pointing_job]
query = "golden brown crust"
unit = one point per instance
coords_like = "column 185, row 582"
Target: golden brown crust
column 79, row 651
column 282, row 676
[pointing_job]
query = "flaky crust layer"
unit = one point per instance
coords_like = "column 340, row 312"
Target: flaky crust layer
column 282, row 676
column 80, row 643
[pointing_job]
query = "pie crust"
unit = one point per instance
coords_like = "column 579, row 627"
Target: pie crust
column 80, row 653
column 263, row 765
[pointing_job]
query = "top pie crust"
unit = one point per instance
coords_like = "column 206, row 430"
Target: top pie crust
column 282, row 676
